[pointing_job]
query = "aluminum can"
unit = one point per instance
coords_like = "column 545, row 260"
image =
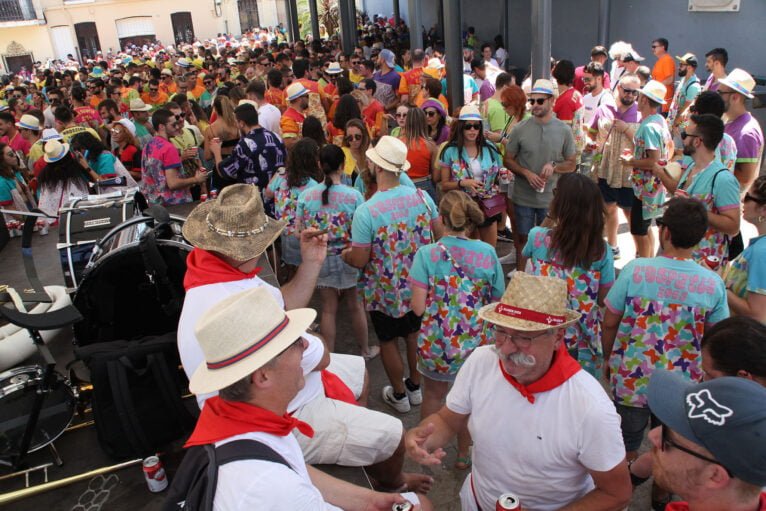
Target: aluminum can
column 662, row 163
column 627, row 153
column 213, row 194
column 712, row 262
column 203, row 197
column 402, row 507
column 507, row 501
column 505, row 176
column 154, row 473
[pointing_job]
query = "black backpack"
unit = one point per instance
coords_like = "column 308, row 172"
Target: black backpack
column 194, row 484
column 137, row 390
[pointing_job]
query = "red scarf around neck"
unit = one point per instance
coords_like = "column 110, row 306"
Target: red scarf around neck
column 222, row 419
column 562, row 368
column 203, row 268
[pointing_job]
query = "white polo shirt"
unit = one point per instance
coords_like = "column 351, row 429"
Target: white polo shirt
column 541, row 452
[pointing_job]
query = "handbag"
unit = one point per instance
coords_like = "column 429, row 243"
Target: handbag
column 492, row 206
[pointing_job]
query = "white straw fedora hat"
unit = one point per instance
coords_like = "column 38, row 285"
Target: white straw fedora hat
column 390, row 153
column 55, row 151
column 334, row 68
column 655, row 91
column 241, row 334
column 531, row 303
column 740, row 81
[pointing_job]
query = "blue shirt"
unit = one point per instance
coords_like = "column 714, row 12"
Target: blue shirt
column 335, row 216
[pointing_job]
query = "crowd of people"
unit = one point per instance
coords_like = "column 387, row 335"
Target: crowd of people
column 385, row 200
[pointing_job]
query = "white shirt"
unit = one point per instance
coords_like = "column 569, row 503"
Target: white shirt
column 267, row 486
column 591, row 103
column 501, row 55
column 203, row 298
column 269, row 117
column 541, row 452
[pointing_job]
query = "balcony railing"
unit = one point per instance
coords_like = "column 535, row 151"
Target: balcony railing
column 17, row 10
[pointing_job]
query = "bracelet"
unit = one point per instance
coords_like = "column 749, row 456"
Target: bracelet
column 458, row 183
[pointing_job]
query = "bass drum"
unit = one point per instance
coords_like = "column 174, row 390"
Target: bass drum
column 117, row 298
column 18, row 388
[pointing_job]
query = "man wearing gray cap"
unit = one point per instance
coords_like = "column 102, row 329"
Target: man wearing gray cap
column 387, row 80
column 711, row 449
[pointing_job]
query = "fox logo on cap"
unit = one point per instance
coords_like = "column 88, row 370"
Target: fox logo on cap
column 704, row 406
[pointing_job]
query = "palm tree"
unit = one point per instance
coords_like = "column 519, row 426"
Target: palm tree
column 329, row 16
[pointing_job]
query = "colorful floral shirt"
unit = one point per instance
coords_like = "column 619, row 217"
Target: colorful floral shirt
column 718, row 189
column 727, row 151
column 458, row 285
column 652, row 135
column 286, row 200
column 665, row 304
column 159, row 156
column 612, row 142
column 583, row 339
column 747, row 273
column 393, row 224
column 685, row 93
column 460, row 169
column 335, row 216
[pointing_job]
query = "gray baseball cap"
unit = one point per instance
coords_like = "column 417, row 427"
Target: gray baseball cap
column 726, row 415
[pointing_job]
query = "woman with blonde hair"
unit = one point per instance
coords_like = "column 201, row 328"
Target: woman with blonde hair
column 450, row 280
column 224, row 127
column 421, row 152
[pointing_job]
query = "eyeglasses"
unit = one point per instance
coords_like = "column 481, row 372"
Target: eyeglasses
column 265, row 64
column 152, row 89
column 431, row 113
column 685, row 135
column 522, row 341
column 179, row 116
column 630, row 91
column 471, row 126
column 401, row 116
column 539, row 101
column 757, row 200
column 666, row 442
column 355, row 62
column 655, row 46
column 350, row 138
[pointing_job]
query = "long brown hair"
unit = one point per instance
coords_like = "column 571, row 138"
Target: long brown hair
column 578, row 210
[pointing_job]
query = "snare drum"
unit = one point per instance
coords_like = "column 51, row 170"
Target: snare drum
column 18, row 388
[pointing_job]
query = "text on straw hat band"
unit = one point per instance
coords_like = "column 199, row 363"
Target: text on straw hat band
column 252, row 349
column 235, row 234
column 529, row 315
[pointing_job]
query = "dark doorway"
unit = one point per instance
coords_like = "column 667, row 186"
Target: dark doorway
column 15, row 63
column 248, row 15
column 183, row 29
column 87, row 39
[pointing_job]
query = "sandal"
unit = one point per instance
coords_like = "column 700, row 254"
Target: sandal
column 372, row 352
column 463, row 463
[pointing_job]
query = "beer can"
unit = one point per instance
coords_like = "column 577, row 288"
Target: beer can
column 662, row 163
column 627, row 153
column 507, row 501
column 712, row 262
column 155, row 476
column 213, row 194
column 203, row 197
column 402, row 507
column 505, row 177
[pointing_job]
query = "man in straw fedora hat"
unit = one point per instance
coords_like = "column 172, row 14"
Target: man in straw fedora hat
column 229, row 235
column 386, row 233
column 543, row 428
column 253, row 358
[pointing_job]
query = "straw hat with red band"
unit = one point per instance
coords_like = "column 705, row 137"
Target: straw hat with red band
column 531, row 303
column 241, row 334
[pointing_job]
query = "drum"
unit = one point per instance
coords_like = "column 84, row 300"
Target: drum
column 82, row 222
column 116, row 296
column 18, row 388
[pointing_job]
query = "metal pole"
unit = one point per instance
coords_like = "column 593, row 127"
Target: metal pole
column 292, row 20
column 352, row 20
column 453, row 50
column 314, row 19
column 604, row 11
column 506, row 28
column 541, row 39
column 345, row 24
column 416, row 22
column 397, row 14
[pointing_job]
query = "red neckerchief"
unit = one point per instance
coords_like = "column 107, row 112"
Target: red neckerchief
column 562, row 368
column 203, row 268
column 224, row 419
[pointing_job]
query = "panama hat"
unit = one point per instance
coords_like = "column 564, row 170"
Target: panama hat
column 469, row 113
column 435, row 63
column 183, row 62
column 390, row 154
column 241, row 334
column 295, row 90
column 29, row 122
column 51, row 134
column 655, row 91
column 531, row 303
column 740, row 81
column 333, row 69
column 55, row 150
column 234, row 225
column 542, row 86
column 138, row 105
column 166, row 72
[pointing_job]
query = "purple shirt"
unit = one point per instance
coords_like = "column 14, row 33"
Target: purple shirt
column 387, row 86
column 748, row 136
column 711, row 83
column 611, row 112
column 486, row 91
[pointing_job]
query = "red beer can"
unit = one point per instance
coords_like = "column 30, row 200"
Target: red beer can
column 662, row 163
column 627, row 153
column 507, row 501
column 203, row 197
column 402, row 507
column 154, row 473
column 213, row 194
column 712, row 262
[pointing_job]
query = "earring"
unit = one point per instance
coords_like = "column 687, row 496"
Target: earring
column 761, row 218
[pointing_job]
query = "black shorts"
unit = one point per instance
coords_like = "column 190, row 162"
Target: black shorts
column 491, row 220
column 388, row 328
column 638, row 226
column 622, row 196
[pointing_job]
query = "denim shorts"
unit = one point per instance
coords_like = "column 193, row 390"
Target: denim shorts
column 336, row 274
column 291, row 249
column 526, row 218
column 634, row 422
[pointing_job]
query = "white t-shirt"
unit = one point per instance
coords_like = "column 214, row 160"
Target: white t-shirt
column 267, row 486
column 541, row 452
column 501, row 55
column 203, row 298
column 269, row 117
column 591, row 103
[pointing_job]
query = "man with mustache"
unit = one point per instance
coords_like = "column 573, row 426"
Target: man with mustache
column 543, row 429
column 688, row 89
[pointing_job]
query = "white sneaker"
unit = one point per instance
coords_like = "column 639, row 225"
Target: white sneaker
column 415, row 396
column 509, row 258
column 400, row 405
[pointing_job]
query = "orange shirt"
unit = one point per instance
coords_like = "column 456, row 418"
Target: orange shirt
column 161, row 98
column 197, row 92
column 291, row 123
column 423, row 96
column 168, row 89
column 276, row 97
column 664, row 68
column 410, row 81
column 419, row 156
column 95, row 100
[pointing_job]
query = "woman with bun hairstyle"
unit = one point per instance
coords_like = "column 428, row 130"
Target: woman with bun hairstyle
column 330, row 206
column 450, row 280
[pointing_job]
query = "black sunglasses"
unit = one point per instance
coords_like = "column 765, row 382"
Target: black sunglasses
column 539, row 101
column 349, row 138
column 629, row 91
column 471, row 126
column 685, row 135
column 667, row 442
column 757, row 200
column 431, row 113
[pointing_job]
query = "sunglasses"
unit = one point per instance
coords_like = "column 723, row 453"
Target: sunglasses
column 666, row 443
column 355, row 62
column 471, row 126
column 539, row 101
column 265, row 64
column 685, row 135
column 655, row 46
column 757, row 200
column 630, row 91
column 431, row 113
column 401, row 116
column 208, row 82
column 350, row 138
column 153, row 89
